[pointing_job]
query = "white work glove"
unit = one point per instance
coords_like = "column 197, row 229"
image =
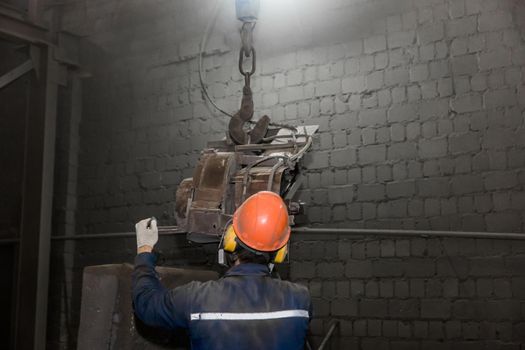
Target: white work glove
column 147, row 232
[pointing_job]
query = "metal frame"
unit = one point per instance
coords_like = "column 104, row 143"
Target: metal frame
column 48, row 49
column 29, row 326
column 19, row 29
column 37, row 195
column 15, row 73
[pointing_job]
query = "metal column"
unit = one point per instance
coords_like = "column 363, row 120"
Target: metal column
column 29, row 326
column 35, row 230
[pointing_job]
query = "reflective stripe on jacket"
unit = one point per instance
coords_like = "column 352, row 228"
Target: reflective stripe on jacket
column 246, row 309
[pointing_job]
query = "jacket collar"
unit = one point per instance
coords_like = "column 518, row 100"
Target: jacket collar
column 248, row 269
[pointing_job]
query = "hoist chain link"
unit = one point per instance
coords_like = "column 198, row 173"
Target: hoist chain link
column 247, row 37
column 247, row 51
column 249, row 73
column 238, row 132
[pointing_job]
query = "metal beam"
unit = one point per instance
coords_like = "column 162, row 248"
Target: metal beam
column 9, row 241
column 11, row 10
column 15, row 73
column 20, row 29
column 37, row 195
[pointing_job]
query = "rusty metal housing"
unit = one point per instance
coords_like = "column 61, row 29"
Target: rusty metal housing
column 227, row 174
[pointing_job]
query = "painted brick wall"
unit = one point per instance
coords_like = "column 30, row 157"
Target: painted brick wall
column 414, row 293
column 421, row 122
column 421, row 113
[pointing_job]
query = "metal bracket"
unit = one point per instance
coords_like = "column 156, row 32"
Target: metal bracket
column 15, row 73
column 21, row 29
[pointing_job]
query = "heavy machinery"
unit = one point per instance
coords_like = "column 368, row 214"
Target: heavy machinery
column 227, row 174
column 248, row 160
column 253, row 156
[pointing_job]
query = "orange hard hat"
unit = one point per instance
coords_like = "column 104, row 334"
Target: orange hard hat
column 261, row 222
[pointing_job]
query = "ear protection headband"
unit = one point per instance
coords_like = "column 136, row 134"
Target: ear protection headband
column 230, row 243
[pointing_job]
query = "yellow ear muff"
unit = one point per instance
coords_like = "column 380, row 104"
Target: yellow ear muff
column 229, row 242
column 280, row 254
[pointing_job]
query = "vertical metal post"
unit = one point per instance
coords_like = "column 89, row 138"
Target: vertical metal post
column 70, row 193
column 37, row 197
column 33, row 10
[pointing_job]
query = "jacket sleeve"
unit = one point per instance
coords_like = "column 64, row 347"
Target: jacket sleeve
column 154, row 304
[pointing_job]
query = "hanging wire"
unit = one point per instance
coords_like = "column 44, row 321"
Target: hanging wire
column 201, row 52
column 204, row 40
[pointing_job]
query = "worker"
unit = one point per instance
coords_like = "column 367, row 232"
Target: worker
column 246, row 308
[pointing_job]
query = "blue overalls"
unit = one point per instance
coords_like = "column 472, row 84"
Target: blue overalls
column 246, row 309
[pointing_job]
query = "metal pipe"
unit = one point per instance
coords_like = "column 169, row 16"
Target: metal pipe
column 8, row 241
column 251, row 165
column 328, row 335
column 272, row 174
column 408, row 233
column 308, row 346
column 93, row 236
column 174, row 230
column 163, row 231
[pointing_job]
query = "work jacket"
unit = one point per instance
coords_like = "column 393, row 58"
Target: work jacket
column 246, row 309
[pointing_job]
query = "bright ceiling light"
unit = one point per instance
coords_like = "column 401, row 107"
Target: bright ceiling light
column 247, row 10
